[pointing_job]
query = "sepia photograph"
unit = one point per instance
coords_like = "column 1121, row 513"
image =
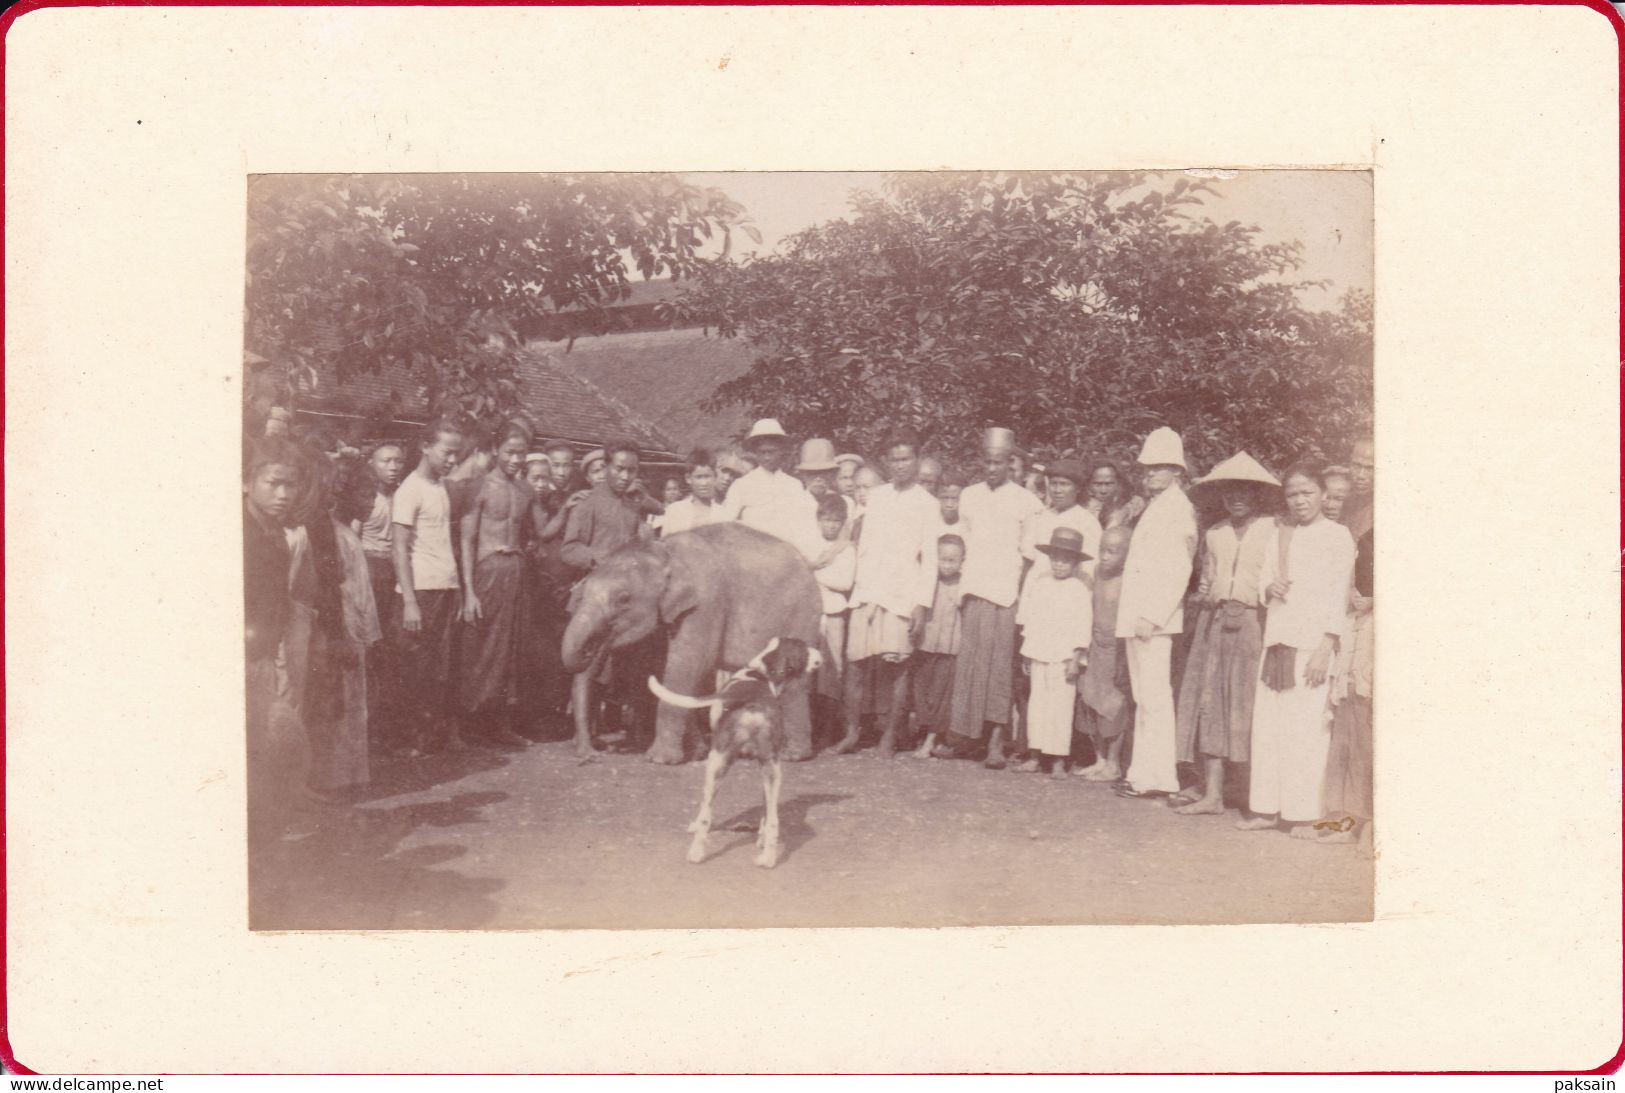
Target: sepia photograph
column 848, row 517
column 809, row 549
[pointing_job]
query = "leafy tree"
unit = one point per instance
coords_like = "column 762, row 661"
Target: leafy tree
column 1082, row 309
column 433, row 272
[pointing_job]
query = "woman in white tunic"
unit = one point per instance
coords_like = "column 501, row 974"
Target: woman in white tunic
column 1306, row 575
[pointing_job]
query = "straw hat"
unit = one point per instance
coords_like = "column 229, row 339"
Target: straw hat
column 1240, row 467
column 850, row 457
column 594, row 456
column 765, row 428
column 817, row 454
column 1163, row 448
column 1067, row 543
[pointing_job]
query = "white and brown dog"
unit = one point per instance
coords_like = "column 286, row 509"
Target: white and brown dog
column 746, row 721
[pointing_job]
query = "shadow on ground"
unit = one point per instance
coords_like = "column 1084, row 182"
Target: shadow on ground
column 354, row 860
column 794, row 830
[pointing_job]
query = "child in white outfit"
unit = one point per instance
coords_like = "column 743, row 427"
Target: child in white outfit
column 1056, row 614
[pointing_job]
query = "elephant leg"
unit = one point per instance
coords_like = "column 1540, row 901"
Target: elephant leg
column 797, row 720
column 683, row 673
column 716, row 765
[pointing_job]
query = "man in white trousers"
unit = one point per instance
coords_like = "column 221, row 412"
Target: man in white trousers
column 1151, row 611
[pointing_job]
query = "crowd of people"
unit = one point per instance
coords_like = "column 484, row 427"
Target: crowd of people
column 1031, row 615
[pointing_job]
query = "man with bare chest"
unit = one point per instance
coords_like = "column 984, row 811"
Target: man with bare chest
column 499, row 522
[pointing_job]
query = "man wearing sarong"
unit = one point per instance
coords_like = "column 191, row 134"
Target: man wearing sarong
column 1151, row 611
column 278, row 750
column 545, row 685
column 896, row 583
column 1215, row 715
column 993, row 515
column 387, row 464
column 501, row 517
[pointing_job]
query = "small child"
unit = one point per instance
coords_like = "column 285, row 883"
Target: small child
column 834, row 582
column 948, row 504
column 932, row 675
column 1108, row 709
column 1056, row 617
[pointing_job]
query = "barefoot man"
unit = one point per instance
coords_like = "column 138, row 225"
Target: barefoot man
column 499, row 523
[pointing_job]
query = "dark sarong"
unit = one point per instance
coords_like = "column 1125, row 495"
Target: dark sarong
column 1215, row 715
column 544, row 685
column 489, row 669
column 932, row 683
column 427, row 656
column 1348, row 764
column 982, row 678
column 383, row 660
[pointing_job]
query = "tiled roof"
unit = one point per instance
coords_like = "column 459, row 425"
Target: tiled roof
column 663, row 375
column 562, row 405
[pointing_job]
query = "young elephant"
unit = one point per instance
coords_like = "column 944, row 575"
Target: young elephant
column 723, row 591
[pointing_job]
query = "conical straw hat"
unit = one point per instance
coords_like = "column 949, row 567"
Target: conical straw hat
column 1240, row 467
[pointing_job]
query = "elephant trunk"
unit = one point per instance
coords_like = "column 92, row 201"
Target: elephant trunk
column 583, row 641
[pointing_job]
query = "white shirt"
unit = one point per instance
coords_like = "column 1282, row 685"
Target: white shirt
column 425, row 507
column 897, row 552
column 1158, row 568
column 992, row 523
column 835, row 580
column 778, row 504
column 1080, row 520
column 1231, row 564
column 1056, row 617
column 687, row 513
column 1320, row 566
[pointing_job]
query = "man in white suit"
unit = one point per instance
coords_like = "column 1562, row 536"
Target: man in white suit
column 1151, row 611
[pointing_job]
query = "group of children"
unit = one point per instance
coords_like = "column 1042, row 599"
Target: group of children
column 1035, row 618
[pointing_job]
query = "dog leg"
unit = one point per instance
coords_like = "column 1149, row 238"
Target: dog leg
column 715, row 764
column 772, row 779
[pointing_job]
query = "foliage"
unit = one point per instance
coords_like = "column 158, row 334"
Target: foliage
column 1083, row 310
column 431, row 273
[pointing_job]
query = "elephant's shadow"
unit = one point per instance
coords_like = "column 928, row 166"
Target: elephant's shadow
column 794, row 830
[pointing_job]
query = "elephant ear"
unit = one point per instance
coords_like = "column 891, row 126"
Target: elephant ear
column 680, row 594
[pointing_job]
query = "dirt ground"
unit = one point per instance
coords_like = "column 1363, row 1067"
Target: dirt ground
column 535, row 839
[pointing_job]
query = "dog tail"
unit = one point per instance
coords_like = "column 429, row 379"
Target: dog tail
column 672, row 698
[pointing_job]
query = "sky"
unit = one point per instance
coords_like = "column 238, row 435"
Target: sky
column 1329, row 212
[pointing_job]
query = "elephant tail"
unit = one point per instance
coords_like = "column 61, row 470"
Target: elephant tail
column 686, row 702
